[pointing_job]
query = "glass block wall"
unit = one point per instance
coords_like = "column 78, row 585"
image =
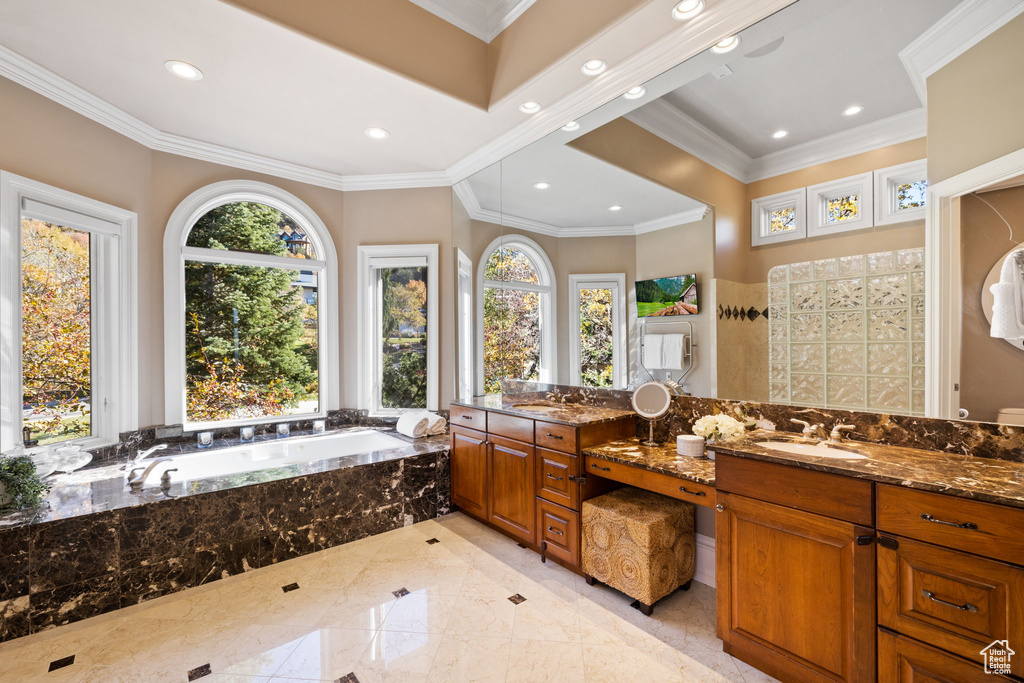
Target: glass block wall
column 849, row 332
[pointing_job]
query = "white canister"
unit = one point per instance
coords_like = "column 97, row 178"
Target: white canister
column 690, row 445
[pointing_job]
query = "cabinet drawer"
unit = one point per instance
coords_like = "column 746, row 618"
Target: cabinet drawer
column 559, row 531
column 511, row 427
column 953, row 600
column 831, row 495
column 468, row 417
column 557, row 478
column 556, row 436
column 665, row 484
column 970, row 525
column 902, row 660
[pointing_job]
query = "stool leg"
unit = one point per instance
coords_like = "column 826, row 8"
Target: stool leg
column 645, row 609
column 686, row 586
column 589, row 579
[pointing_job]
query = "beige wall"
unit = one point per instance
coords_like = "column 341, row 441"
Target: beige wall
column 975, row 104
column 56, row 146
column 991, row 371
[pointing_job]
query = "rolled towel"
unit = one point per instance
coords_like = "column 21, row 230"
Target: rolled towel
column 413, row 424
column 652, row 351
column 436, row 425
column 672, row 352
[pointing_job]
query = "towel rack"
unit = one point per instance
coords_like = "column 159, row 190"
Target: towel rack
column 687, row 346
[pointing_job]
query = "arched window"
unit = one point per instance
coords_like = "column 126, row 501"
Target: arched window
column 517, row 335
column 250, row 322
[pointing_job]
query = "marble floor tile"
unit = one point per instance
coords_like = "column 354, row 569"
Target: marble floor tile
column 455, row 623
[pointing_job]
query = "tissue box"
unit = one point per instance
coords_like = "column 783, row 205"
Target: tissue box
column 690, row 446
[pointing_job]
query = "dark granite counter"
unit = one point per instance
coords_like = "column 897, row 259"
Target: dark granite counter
column 572, row 414
column 103, row 489
column 985, row 479
column 662, row 459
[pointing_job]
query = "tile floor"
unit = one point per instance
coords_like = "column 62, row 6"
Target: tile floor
column 473, row 606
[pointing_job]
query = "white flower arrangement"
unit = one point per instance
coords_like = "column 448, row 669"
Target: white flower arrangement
column 719, row 427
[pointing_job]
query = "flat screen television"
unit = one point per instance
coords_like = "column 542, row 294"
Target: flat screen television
column 666, row 296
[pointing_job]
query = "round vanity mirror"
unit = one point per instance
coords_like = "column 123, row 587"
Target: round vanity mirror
column 651, row 400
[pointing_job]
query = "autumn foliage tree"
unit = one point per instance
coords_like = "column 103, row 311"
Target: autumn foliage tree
column 596, row 338
column 403, row 319
column 511, row 320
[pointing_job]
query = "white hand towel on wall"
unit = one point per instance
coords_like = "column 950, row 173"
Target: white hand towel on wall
column 413, row 424
column 672, row 351
column 652, row 350
column 1008, row 299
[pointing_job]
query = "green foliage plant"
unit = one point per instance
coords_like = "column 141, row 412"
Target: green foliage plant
column 21, row 484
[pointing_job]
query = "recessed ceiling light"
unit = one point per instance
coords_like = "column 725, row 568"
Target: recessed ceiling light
column 615, row 208
column 571, row 126
column 855, row 109
column 687, row 9
column 184, row 70
column 377, row 133
column 726, row 45
column 541, row 186
column 635, row 93
column 594, row 67
column 779, row 134
column 529, row 107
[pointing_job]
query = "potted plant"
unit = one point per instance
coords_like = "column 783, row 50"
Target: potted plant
column 20, row 485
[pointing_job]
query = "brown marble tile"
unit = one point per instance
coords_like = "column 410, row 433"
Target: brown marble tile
column 74, row 602
column 156, row 531
column 71, row 550
column 662, row 459
column 155, row 579
column 573, row 414
column 14, row 562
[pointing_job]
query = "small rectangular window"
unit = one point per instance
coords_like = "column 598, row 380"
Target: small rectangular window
column 598, row 333
column 902, row 193
column 783, row 220
column 846, row 208
column 778, row 218
column 840, row 205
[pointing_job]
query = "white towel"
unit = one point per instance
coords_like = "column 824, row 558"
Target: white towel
column 672, row 352
column 1008, row 300
column 436, row 425
column 413, row 424
column 652, row 351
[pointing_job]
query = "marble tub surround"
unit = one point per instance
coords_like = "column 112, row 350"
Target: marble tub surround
column 984, row 479
column 94, row 547
column 523, row 390
column 662, row 459
column 456, row 623
column 567, row 413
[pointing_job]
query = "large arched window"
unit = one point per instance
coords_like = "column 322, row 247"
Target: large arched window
column 250, row 322
column 517, row 334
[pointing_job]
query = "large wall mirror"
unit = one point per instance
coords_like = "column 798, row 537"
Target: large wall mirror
column 750, row 224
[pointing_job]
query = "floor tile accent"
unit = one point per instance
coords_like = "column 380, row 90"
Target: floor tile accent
column 348, row 678
column 199, row 672
column 61, row 663
column 516, row 599
column 400, row 593
column 432, row 541
column 290, row 587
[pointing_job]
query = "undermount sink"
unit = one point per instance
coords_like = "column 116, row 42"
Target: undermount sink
column 540, row 407
column 816, row 450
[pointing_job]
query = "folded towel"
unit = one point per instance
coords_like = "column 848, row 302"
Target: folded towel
column 413, row 424
column 436, row 425
column 652, row 351
column 672, row 352
column 1008, row 299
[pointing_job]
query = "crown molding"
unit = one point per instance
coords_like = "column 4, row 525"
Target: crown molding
column 31, row 75
column 469, row 201
column 673, row 48
column 965, row 26
column 673, row 126
column 479, row 18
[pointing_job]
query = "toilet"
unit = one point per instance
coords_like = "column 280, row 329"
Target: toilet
column 1011, row 416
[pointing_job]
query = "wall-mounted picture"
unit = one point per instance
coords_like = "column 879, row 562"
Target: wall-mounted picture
column 667, row 296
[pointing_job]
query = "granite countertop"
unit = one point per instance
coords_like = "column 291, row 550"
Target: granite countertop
column 662, row 459
column 100, row 489
column 572, row 414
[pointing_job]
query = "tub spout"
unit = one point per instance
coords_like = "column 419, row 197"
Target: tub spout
column 142, row 455
column 135, row 483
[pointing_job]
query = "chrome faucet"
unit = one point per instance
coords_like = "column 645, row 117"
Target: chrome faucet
column 837, row 432
column 136, row 483
column 142, row 455
column 810, row 432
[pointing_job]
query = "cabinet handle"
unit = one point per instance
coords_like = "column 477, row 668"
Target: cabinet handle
column 692, row 493
column 603, row 469
column 562, row 533
column 467, row 417
column 554, row 436
column 966, row 607
column 720, row 507
column 553, row 477
column 962, row 525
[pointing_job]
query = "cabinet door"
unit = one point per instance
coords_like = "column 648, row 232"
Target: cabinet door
column 511, row 487
column 468, row 459
column 903, row 660
column 796, row 591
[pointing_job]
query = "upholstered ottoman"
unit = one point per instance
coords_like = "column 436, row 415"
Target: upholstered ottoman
column 640, row 543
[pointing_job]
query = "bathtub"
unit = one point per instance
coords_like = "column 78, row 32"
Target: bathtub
column 272, row 454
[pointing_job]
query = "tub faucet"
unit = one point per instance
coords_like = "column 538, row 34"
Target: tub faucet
column 136, row 483
column 142, row 455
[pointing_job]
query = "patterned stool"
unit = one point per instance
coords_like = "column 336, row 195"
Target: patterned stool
column 640, row 543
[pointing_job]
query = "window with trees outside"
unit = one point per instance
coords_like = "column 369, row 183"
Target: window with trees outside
column 597, row 315
column 68, row 350
column 250, row 327
column 517, row 334
column 398, row 319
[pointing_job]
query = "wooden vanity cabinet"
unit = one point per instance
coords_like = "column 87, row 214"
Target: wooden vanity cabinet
column 468, row 462
column 510, row 487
